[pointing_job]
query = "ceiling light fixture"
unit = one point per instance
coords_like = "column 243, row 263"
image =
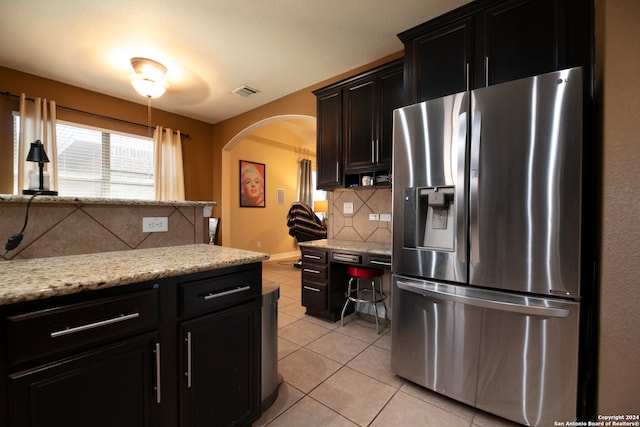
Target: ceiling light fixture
column 148, row 79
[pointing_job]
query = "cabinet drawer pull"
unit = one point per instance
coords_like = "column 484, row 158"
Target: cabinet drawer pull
column 81, row 328
column 373, row 261
column 225, row 293
column 312, row 256
column 309, row 288
column 157, row 351
column 308, row 270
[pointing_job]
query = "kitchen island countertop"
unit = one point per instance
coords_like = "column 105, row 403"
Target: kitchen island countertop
column 32, row 279
column 349, row 245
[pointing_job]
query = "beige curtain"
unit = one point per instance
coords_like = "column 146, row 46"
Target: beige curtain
column 37, row 121
column 305, row 186
column 169, row 176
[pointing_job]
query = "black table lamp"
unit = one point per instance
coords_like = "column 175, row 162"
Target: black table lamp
column 37, row 154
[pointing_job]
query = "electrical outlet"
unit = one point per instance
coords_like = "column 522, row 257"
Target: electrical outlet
column 385, row 217
column 155, row 224
column 374, row 217
column 259, row 244
column 348, row 208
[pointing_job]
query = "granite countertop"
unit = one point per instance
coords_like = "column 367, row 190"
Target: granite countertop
column 32, row 279
column 349, row 245
column 100, row 201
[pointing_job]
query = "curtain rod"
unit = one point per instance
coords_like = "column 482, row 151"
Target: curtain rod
column 100, row 116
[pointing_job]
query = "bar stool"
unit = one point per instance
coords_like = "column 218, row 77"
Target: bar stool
column 365, row 295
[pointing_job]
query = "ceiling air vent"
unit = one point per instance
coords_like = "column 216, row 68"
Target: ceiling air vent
column 245, row 91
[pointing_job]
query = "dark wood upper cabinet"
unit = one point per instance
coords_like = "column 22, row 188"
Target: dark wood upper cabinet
column 368, row 105
column 494, row 41
column 519, row 39
column 391, row 97
column 355, row 124
column 330, row 167
column 361, row 119
column 452, row 45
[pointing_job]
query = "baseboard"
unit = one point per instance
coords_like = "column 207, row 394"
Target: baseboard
column 284, row 255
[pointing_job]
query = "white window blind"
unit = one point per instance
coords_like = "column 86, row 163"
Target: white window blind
column 95, row 162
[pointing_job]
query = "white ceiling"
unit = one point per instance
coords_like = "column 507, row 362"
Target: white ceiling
column 210, row 47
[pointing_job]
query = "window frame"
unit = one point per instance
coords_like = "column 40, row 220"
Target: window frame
column 106, row 182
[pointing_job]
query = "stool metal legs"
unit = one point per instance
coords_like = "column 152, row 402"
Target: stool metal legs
column 368, row 296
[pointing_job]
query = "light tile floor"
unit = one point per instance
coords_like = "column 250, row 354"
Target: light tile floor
column 340, row 376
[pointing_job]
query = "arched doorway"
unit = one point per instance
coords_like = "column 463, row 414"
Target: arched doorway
column 279, row 142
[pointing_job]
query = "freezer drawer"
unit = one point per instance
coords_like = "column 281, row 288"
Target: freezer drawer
column 508, row 354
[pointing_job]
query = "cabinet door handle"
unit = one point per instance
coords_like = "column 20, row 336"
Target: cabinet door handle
column 486, row 71
column 337, row 171
column 308, row 270
column 377, row 150
column 225, row 293
column 158, row 392
column 312, row 256
column 188, row 373
column 309, row 288
column 94, row 325
column 373, row 151
column 467, row 71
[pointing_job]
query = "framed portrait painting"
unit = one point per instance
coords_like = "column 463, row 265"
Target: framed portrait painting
column 252, row 184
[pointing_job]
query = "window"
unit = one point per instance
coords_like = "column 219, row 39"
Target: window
column 94, row 162
column 317, row 194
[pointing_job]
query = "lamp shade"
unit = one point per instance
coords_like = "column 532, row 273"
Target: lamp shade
column 321, row 206
column 37, row 153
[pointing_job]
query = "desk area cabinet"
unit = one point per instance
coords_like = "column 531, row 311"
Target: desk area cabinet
column 324, row 272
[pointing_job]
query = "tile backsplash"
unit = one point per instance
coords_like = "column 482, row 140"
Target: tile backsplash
column 357, row 226
column 69, row 229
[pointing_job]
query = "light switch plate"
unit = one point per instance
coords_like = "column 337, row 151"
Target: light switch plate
column 348, row 208
column 385, row 217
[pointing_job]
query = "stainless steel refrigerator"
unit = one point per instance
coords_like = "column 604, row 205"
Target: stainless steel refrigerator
column 486, row 246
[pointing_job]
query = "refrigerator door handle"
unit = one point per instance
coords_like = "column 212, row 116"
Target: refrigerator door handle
column 474, row 184
column 459, row 189
column 430, row 289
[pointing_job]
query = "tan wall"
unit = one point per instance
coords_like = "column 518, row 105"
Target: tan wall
column 264, row 229
column 197, row 149
column 302, row 103
column 618, row 64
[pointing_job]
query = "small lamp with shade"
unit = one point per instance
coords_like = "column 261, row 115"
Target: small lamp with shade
column 38, row 181
column 321, row 207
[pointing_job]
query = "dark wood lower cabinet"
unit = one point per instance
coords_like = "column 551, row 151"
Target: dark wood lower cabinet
column 110, row 386
column 220, row 364
column 178, row 352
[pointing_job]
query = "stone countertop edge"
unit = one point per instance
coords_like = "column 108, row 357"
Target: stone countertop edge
column 349, row 245
column 39, row 278
column 12, row 198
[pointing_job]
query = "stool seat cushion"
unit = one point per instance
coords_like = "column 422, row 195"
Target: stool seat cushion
column 364, row 272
